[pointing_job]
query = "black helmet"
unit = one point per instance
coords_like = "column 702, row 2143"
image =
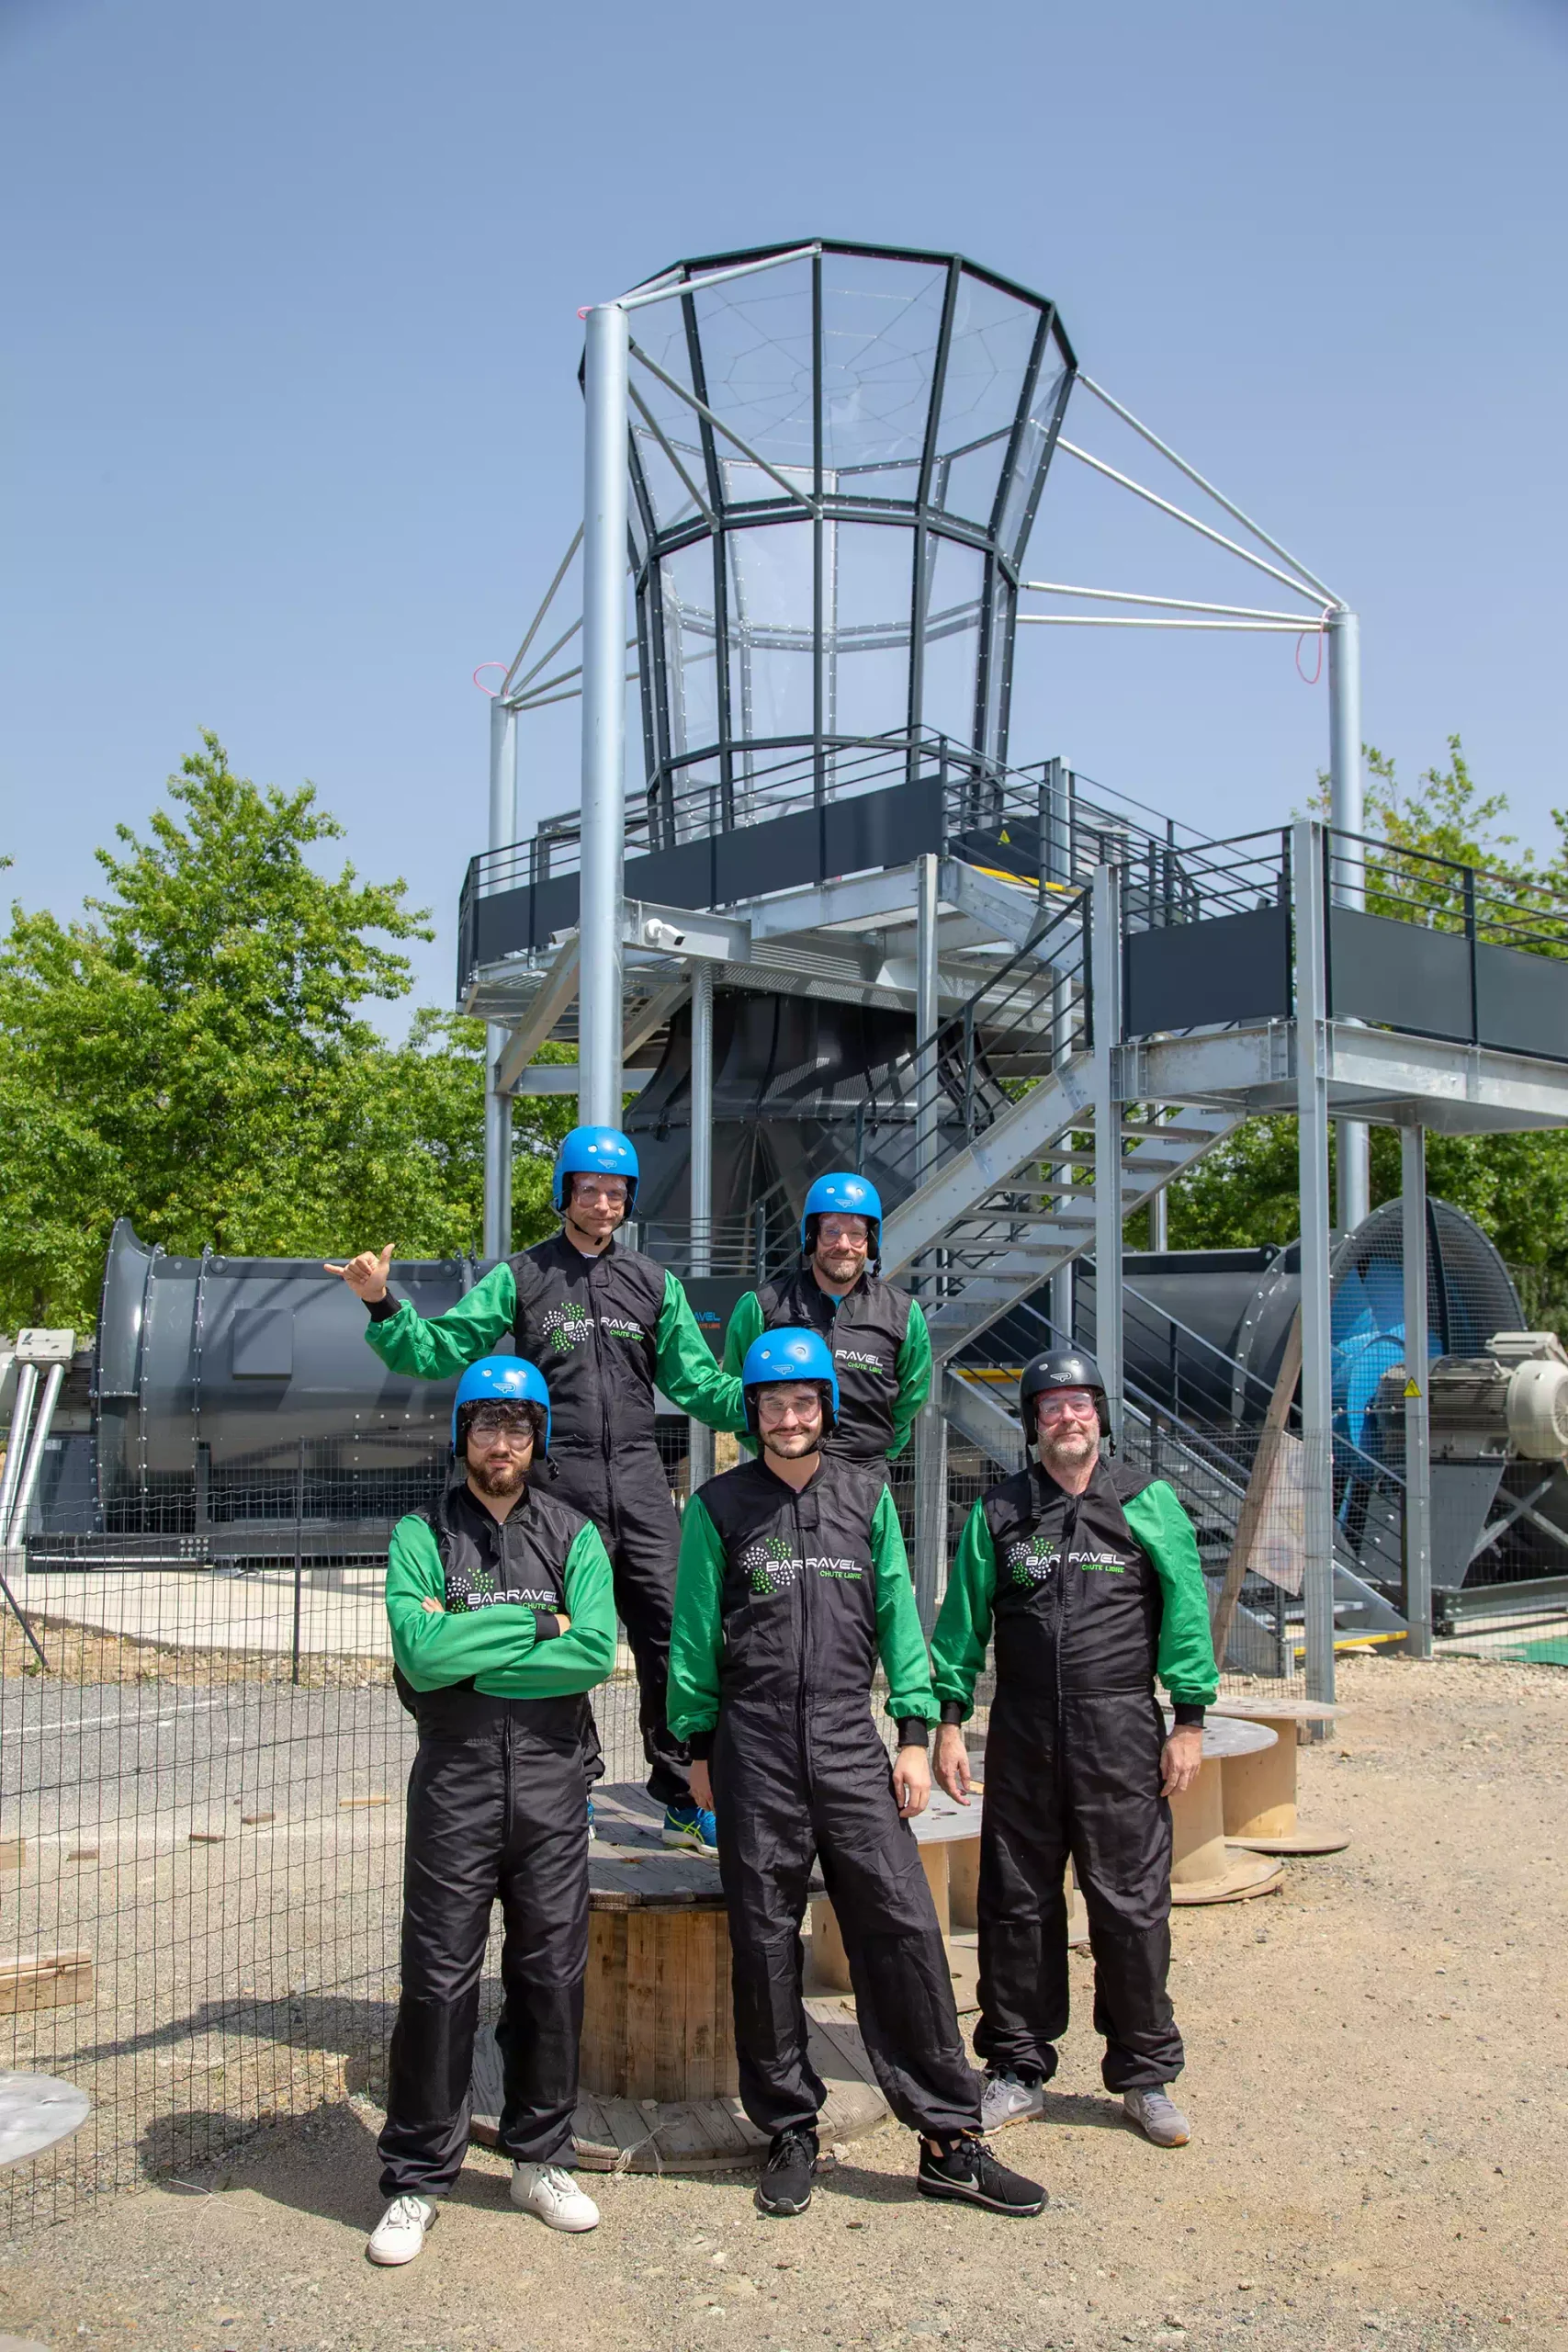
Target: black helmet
column 1061, row 1368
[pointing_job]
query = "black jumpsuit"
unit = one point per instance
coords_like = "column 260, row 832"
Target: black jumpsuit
column 784, row 1600
column 494, row 1812
column 1087, row 1594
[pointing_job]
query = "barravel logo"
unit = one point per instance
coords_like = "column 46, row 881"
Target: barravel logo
column 620, row 1327
column 565, row 1327
column 768, row 1566
column 860, row 1359
column 1030, row 1560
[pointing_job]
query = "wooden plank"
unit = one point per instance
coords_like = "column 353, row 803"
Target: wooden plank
column 698, row 2019
column 47, row 1980
column 603, row 2057
column 672, row 1941
column 642, row 1998
column 1254, row 1502
column 834, row 2041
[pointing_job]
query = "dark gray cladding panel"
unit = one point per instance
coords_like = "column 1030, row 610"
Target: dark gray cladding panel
column 262, row 1339
column 1521, row 1001
column 850, row 836
column 1192, row 975
column 1397, row 973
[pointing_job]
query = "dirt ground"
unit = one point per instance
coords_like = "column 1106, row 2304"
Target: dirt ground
column 1377, row 2073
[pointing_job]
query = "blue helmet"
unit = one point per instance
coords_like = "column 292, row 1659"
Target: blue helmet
column 790, row 1355
column 501, row 1380
column 846, row 1196
column 595, row 1151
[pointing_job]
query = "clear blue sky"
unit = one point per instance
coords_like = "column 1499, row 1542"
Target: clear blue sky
column 292, row 436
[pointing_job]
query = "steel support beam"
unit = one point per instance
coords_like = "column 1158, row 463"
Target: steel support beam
column 603, row 713
column 1311, row 1117
column 519, row 1046
column 1348, row 804
column 699, row 1436
column 1417, row 1429
column 496, row 1236
column 1105, row 1087
column 930, row 1424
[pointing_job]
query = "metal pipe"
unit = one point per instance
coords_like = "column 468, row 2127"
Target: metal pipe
column 1347, row 808
column 1168, row 604
column 1125, row 481
column 700, row 1450
column 927, row 1101
column 710, row 417
column 604, row 715
column 1106, row 938
column 931, row 1422
column 544, row 608
column 1304, row 627
column 496, row 1234
column 17, row 1440
column 1417, row 1427
column 1057, row 866
column 638, row 301
column 11, row 1531
column 1317, row 1343
column 1207, row 487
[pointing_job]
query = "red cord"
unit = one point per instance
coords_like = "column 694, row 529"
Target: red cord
column 1300, row 642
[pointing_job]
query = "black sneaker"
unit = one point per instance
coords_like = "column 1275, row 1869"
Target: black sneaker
column 785, row 2188
column 970, row 2174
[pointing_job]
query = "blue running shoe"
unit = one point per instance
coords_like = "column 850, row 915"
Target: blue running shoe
column 592, row 1833
column 688, row 1826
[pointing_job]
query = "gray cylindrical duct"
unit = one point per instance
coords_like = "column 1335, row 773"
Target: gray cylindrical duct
column 220, row 1382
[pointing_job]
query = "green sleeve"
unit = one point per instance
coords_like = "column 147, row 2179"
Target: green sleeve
column 745, row 1325
column 684, row 1368
column 498, row 1649
column 448, row 1343
column 696, row 1642
column 899, row 1641
column 1186, row 1662
column 434, row 1651
column 964, row 1622
column 913, row 1369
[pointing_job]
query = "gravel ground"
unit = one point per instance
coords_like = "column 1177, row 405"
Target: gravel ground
column 1376, row 2074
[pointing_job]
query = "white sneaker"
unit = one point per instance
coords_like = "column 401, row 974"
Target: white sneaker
column 1006, row 2100
column 398, row 2235
column 554, row 2195
column 1158, row 2118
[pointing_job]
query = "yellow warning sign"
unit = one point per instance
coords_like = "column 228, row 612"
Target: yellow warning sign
column 1410, row 1388
column 1005, row 836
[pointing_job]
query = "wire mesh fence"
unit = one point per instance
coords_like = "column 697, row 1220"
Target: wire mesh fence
column 201, row 1826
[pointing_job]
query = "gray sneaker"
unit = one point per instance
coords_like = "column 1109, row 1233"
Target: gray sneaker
column 1158, row 2118
column 1006, row 2100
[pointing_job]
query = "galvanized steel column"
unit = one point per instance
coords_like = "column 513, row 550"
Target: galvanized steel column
column 1312, row 1119
column 1105, row 907
column 604, row 715
column 699, row 1436
column 1347, row 806
column 497, row 1229
column 930, row 1424
column 1418, row 1426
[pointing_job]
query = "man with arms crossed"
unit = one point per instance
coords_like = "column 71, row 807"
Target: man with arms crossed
column 611, row 1325
column 793, row 1581
column 1090, row 1574
column 498, row 1601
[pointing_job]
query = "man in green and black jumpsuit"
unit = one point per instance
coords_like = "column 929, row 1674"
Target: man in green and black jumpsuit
column 882, row 1350
column 608, row 1326
column 1089, row 1575
column 499, row 1600
column 792, row 1582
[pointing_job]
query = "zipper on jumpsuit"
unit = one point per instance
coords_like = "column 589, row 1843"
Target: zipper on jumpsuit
column 605, row 1455
column 801, row 1687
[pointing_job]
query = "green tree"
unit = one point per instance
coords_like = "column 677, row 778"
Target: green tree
column 194, row 1053
column 1515, row 1186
